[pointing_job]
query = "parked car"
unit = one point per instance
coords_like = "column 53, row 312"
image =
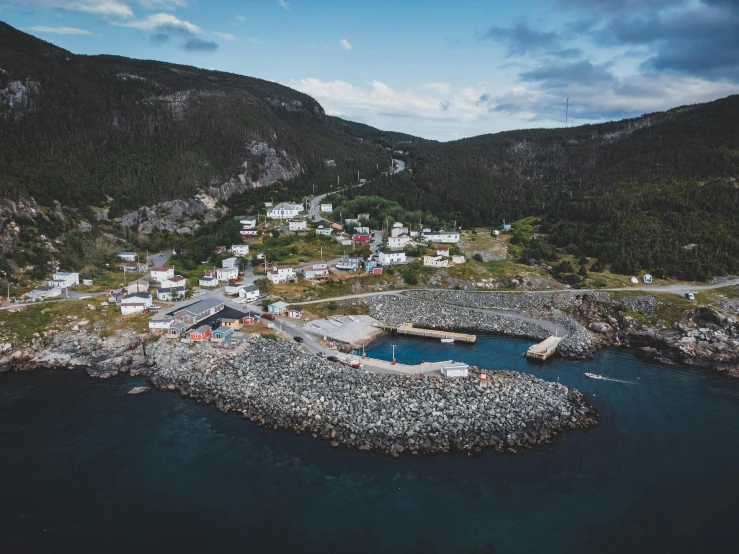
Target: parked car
column 332, row 359
column 268, row 316
column 303, row 260
column 298, row 339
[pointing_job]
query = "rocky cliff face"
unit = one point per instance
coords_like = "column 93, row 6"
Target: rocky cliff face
column 16, row 97
column 12, row 216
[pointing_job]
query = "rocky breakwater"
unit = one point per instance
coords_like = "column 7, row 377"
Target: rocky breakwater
column 395, row 310
column 277, row 384
column 100, row 356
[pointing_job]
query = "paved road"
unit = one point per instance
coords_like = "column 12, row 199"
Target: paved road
column 158, row 260
column 398, row 166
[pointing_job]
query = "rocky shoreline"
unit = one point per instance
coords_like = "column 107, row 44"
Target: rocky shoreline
column 276, row 384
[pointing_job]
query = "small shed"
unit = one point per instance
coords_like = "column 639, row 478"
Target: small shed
column 453, row 370
column 234, row 324
column 87, row 282
column 647, row 279
column 222, row 334
column 296, row 312
column 376, row 271
column 634, row 281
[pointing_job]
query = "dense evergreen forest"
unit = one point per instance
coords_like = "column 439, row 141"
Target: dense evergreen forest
column 81, row 129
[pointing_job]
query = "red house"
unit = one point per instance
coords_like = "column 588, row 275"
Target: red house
column 201, row 334
column 362, row 239
column 211, row 273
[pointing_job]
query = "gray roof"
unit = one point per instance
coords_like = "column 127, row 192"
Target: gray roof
column 202, row 306
column 44, row 288
column 251, row 288
column 143, row 295
column 172, row 289
column 202, row 329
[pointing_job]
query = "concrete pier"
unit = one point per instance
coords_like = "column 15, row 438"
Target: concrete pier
column 409, row 329
column 544, row 350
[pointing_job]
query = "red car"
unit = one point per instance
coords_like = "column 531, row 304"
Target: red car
column 268, row 316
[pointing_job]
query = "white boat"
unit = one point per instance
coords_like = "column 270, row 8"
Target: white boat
column 594, row 376
column 447, row 340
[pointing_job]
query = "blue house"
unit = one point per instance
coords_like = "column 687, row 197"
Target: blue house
column 507, row 226
column 222, row 334
column 369, row 265
column 278, row 308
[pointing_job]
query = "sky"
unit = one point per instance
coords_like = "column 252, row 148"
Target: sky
column 439, row 69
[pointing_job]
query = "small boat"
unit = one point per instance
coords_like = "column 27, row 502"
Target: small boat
column 447, row 340
column 594, row 376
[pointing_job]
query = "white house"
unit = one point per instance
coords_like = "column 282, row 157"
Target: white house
column 170, row 293
column 454, row 370
column 297, row 225
column 227, row 273
column 390, row 258
column 398, row 231
column 284, row 210
column 435, row 261
column 249, row 293
column 249, row 222
column 325, row 231
column 240, row 250
column 327, row 208
column 128, row 256
column 64, row 280
column 444, row 237
column 44, row 291
column 249, row 232
column 458, row 259
column 282, row 274
column 208, row 282
column 230, row 262
column 135, row 308
column 442, row 251
column 160, row 274
column 398, row 242
column 362, row 230
column 138, row 297
column 174, row 282
column 160, row 324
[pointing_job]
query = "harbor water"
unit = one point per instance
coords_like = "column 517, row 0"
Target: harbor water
column 84, row 467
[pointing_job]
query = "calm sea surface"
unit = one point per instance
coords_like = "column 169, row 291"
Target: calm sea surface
column 86, row 468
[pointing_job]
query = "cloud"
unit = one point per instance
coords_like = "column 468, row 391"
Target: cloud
column 160, row 38
column 522, row 40
column 163, row 22
column 104, row 8
column 225, row 36
column 441, row 88
column 240, row 18
column 200, row 45
column 345, row 44
column 60, row 30
column 283, row 4
column 562, row 74
column 163, row 4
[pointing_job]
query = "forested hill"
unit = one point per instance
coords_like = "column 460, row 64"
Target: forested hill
column 78, row 129
column 656, row 193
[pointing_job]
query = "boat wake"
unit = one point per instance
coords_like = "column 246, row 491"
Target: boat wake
column 601, row 378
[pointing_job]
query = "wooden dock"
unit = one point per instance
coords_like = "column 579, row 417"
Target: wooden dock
column 408, row 329
column 544, row 350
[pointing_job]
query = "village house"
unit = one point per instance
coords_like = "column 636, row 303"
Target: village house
column 362, row 230
column 398, row 243
column 442, row 251
column 391, row 258
column 324, row 231
column 230, row 262
column 297, row 225
column 168, row 294
column 222, row 334
column 177, row 330
column 201, row 334
column 128, row 256
column 284, row 210
column 337, row 227
column 398, row 231
column 138, row 297
column 133, row 308
column 318, row 264
column 64, row 280
column 139, row 285
column 208, row 282
column 251, row 318
column 249, row 232
column 198, row 311
column 362, row 239
column 315, row 274
column 278, row 308
column 232, row 323
column 234, row 289
column 174, row 282
column 160, row 323
column 351, row 221
column 240, row 249
column 249, row 293
column 295, row 313
column 41, row 292
column 456, row 259
column 435, row 261
column 136, row 267
column 249, row 222
column 282, row 274
column 446, row 237
column 326, row 208
column 160, row 274
column 224, row 274
column 349, row 263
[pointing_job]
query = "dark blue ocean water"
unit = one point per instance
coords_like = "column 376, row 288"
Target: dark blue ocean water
column 86, row 468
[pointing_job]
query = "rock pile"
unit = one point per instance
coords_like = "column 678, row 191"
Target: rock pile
column 395, row 310
column 277, row 384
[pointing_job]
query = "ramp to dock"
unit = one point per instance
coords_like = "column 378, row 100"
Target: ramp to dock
column 545, row 349
column 410, row 330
